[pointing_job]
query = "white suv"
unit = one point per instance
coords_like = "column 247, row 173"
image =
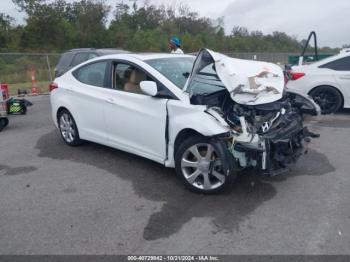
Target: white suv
column 327, row 81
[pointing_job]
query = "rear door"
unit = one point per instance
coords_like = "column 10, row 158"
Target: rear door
column 89, row 97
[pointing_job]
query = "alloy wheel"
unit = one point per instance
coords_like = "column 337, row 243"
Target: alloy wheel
column 202, row 168
column 67, row 128
column 327, row 100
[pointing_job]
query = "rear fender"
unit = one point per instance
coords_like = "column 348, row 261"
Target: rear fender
column 58, row 101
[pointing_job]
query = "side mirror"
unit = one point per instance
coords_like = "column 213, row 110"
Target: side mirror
column 149, row 88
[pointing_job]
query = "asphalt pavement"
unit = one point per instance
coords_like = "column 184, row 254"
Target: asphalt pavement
column 56, row 199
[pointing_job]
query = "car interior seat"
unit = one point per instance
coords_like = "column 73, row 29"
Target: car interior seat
column 118, row 82
column 133, row 85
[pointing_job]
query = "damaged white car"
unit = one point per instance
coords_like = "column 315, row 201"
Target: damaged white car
column 209, row 117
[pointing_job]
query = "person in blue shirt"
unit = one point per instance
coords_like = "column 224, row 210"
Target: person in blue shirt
column 175, row 45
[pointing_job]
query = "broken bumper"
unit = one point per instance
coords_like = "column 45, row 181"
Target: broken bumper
column 277, row 151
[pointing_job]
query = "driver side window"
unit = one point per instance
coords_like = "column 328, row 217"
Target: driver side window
column 128, row 78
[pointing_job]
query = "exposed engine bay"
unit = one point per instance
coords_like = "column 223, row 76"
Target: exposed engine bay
column 267, row 136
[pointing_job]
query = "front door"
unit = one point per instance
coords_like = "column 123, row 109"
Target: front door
column 135, row 122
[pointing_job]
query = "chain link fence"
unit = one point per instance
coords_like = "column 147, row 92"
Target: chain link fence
column 16, row 69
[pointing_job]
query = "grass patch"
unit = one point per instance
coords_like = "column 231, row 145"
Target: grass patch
column 43, row 87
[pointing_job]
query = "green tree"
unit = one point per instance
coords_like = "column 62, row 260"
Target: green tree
column 5, row 30
column 136, row 26
column 53, row 25
column 88, row 19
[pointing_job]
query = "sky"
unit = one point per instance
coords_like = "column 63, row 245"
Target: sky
column 330, row 19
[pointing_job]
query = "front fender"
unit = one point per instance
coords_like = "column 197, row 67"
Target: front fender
column 191, row 117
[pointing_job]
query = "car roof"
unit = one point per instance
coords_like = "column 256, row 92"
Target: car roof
column 147, row 56
column 98, row 50
column 115, row 53
column 107, row 51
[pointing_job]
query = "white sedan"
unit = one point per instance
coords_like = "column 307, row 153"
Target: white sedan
column 327, row 81
column 209, row 118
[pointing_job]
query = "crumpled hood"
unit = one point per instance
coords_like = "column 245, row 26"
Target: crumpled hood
column 248, row 82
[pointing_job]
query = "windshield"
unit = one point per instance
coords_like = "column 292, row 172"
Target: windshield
column 204, row 79
column 176, row 69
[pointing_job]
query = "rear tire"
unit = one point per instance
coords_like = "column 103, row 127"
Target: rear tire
column 328, row 98
column 68, row 128
column 204, row 165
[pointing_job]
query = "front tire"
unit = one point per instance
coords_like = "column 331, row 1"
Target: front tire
column 68, row 128
column 328, row 98
column 205, row 166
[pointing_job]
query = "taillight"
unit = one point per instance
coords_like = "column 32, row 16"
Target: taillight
column 296, row 75
column 53, row 86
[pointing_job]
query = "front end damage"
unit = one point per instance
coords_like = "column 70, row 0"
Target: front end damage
column 267, row 132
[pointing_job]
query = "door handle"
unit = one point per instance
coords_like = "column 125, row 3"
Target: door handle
column 347, row 77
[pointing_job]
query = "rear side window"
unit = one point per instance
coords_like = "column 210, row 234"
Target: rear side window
column 79, row 58
column 92, row 74
column 342, row 64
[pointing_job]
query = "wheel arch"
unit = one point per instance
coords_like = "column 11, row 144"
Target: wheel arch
column 189, row 137
column 60, row 109
column 183, row 135
column 77, row 141
column 335, row 88
column 190, row 123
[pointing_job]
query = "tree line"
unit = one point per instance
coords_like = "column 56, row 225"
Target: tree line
column 57, row 25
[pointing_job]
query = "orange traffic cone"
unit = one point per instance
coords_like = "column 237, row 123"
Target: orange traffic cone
column 34, row 86
column 35, row 90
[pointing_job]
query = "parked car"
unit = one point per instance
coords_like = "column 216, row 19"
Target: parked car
column 326, row 81
column 74, row 57
column 209, row 117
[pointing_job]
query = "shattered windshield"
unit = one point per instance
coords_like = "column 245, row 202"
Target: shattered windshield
column 176, row 69
column 204, row 79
